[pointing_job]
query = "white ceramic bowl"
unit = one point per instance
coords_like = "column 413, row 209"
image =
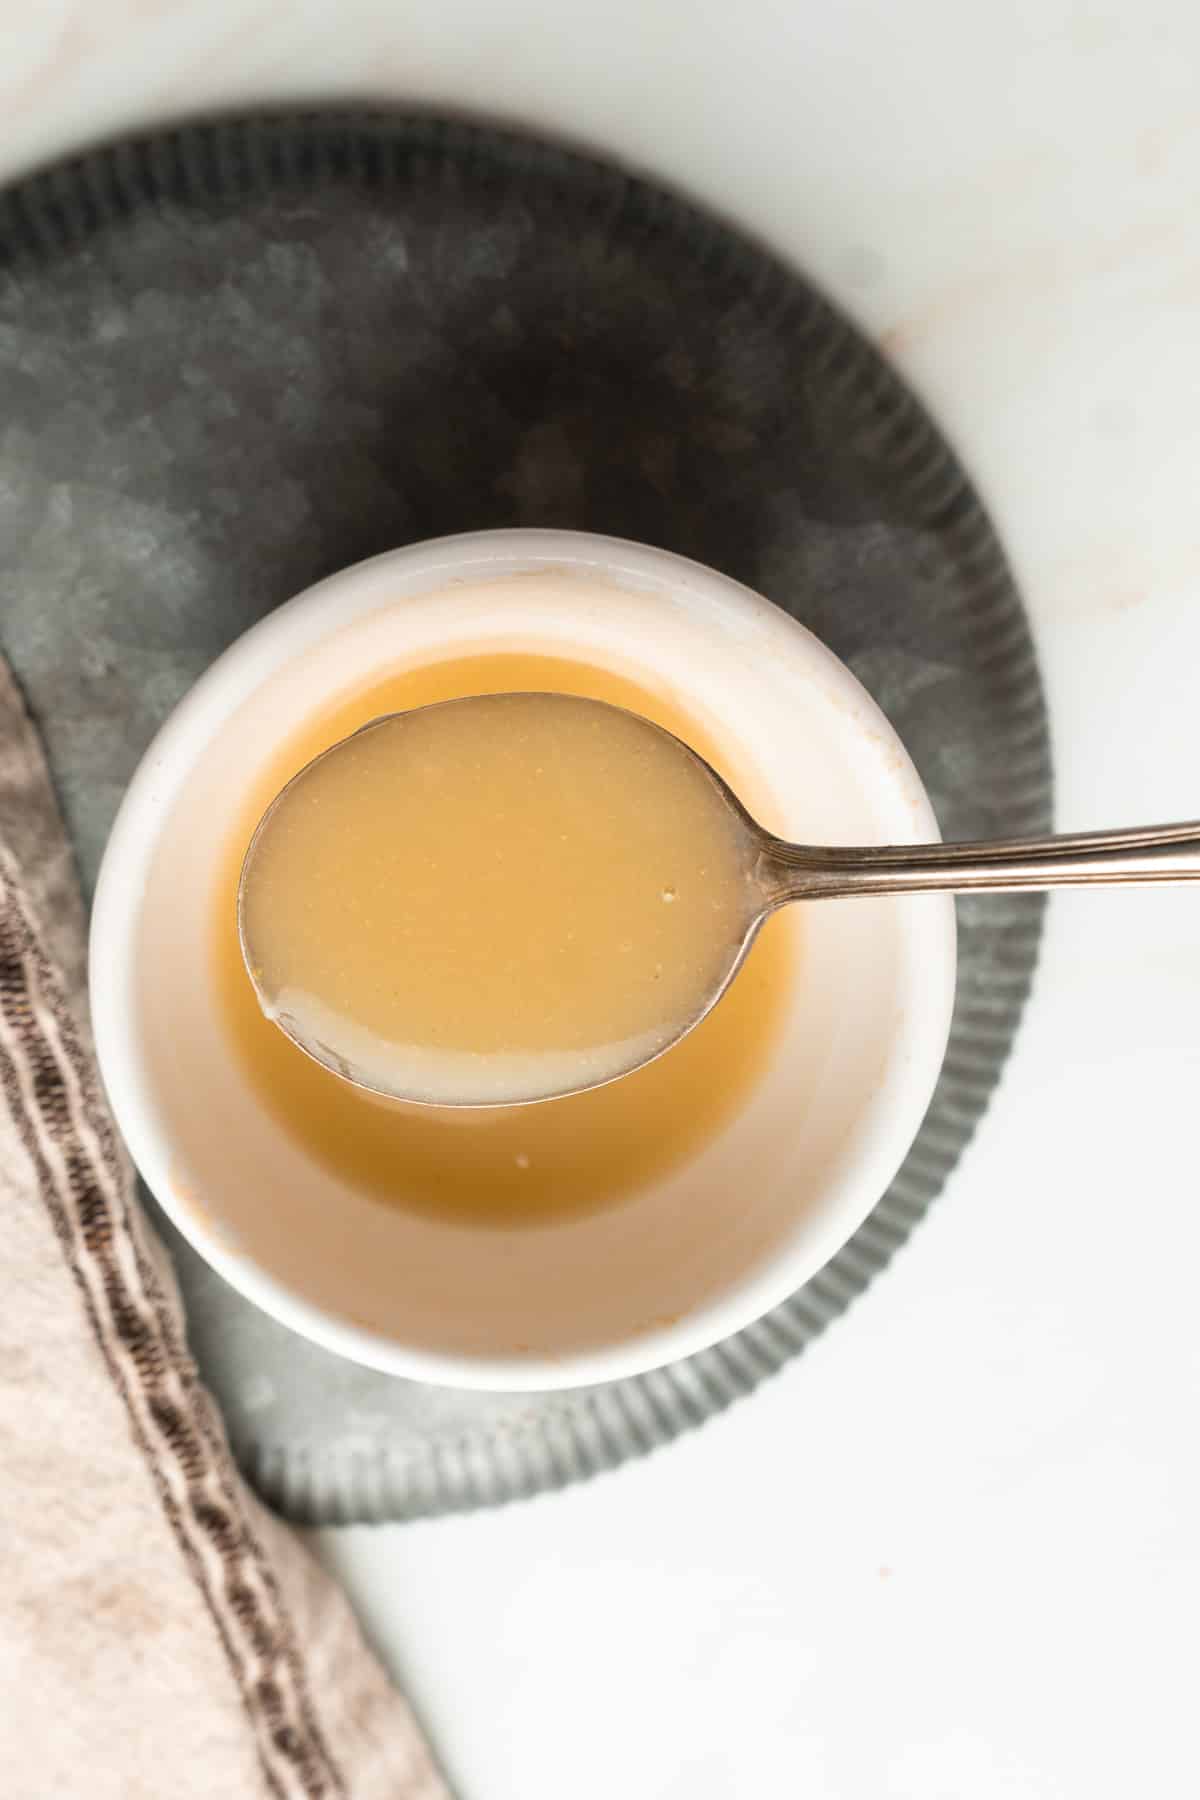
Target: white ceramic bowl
column 708, row 1247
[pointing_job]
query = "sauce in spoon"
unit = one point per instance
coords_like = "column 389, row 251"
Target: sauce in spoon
column 496, row 899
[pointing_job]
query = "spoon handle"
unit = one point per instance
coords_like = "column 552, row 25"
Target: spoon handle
column 1146, row 854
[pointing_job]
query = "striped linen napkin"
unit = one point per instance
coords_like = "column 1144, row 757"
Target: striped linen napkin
column 160, row 1632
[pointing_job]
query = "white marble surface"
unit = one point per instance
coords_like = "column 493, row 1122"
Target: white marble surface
column 952, row 1555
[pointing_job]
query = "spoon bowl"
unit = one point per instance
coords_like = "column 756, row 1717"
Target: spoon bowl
column 683, row 940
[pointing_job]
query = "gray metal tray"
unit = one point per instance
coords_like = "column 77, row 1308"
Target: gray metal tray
column 237, row 356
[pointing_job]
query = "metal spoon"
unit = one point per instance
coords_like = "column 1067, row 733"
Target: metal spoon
column 777, row 872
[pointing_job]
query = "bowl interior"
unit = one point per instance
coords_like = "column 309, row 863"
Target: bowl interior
column 676, row 1265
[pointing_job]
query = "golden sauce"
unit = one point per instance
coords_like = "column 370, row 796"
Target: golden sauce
column 501, row 1165
column 497, row 899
